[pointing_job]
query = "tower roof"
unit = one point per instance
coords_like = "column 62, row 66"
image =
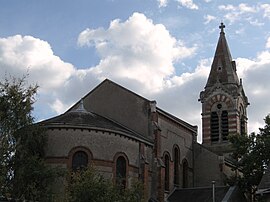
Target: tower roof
column 223, row 69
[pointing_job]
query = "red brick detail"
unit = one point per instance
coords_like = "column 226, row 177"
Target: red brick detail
column 99, row 162
column 145, row 180
column 218, row 98
column 161, row 183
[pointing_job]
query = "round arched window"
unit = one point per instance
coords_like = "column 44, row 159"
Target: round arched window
column 79, row 160
column 121, row 172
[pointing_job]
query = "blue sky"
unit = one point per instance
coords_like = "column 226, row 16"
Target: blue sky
column 160, row 49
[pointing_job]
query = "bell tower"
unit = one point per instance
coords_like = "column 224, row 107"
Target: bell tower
column 223, row 99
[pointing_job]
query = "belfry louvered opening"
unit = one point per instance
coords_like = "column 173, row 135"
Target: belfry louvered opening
column 214, row 127
column 224, row 125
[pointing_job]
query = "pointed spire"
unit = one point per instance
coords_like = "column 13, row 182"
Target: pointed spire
column 223, row 68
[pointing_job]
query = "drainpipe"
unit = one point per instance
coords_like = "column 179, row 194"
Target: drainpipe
column 213, row 191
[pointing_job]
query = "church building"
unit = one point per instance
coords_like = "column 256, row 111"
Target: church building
column 125, row 136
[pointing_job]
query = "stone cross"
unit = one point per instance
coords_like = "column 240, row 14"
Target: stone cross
column 221, row 27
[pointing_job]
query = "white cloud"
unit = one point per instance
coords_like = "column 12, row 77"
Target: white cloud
column 268, row 43
column 256, row 22
column 266, row 10
column 255, row 72
column 244, row 8
column 188, row 4
column 136, row 49
column 209, row 18
column 162, row 3
column 139, row 55
column 243, row 12
column 18, row 53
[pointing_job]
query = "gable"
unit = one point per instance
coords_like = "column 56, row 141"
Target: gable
column 119, row 104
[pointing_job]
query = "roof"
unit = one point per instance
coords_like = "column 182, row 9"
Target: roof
column 168, row 115
column 265, row 181
column 198, row 194
column 179, row 121
column 80, row 118
column 223, row 69
column 205, row 194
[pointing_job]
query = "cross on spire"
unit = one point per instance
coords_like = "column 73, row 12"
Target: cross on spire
column 221, row 27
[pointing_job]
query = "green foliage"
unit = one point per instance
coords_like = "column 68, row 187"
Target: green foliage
column 89, row 186
column 23, row 172
column 32, row 176
column 15, row 112
column 252, row 155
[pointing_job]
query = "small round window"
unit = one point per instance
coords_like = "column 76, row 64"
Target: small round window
column 219, row 106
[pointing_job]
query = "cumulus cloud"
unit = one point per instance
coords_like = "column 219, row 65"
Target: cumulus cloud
column 139, row 55
column 255, row 72
column 188, row 4
column 136, row 49
column 19, row 53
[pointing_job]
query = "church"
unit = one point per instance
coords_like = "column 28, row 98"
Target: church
column 125, row 136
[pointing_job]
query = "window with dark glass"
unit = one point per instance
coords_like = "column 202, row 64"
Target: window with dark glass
column 79, row 161
column 167, row 173
column 185, row 173
column 214, row 127
column 176, row 166
column 121, row 171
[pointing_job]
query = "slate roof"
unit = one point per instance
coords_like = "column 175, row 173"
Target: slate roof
column 159, row 110
column 88, row 120
column 222, row 67
column 204, row 194
column 198, row 194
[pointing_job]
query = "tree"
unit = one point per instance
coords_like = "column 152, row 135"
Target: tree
column 23, row 172
column 89, row 186
column 252, row 155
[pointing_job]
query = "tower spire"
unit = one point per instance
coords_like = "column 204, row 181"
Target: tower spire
column 223, row 100
column 223, row 68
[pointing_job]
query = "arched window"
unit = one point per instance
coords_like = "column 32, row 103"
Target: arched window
column 167, row 172
column 79, row 160
column 185, row 173
column 121, row 172
column 219, row 123
column 176, row 165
